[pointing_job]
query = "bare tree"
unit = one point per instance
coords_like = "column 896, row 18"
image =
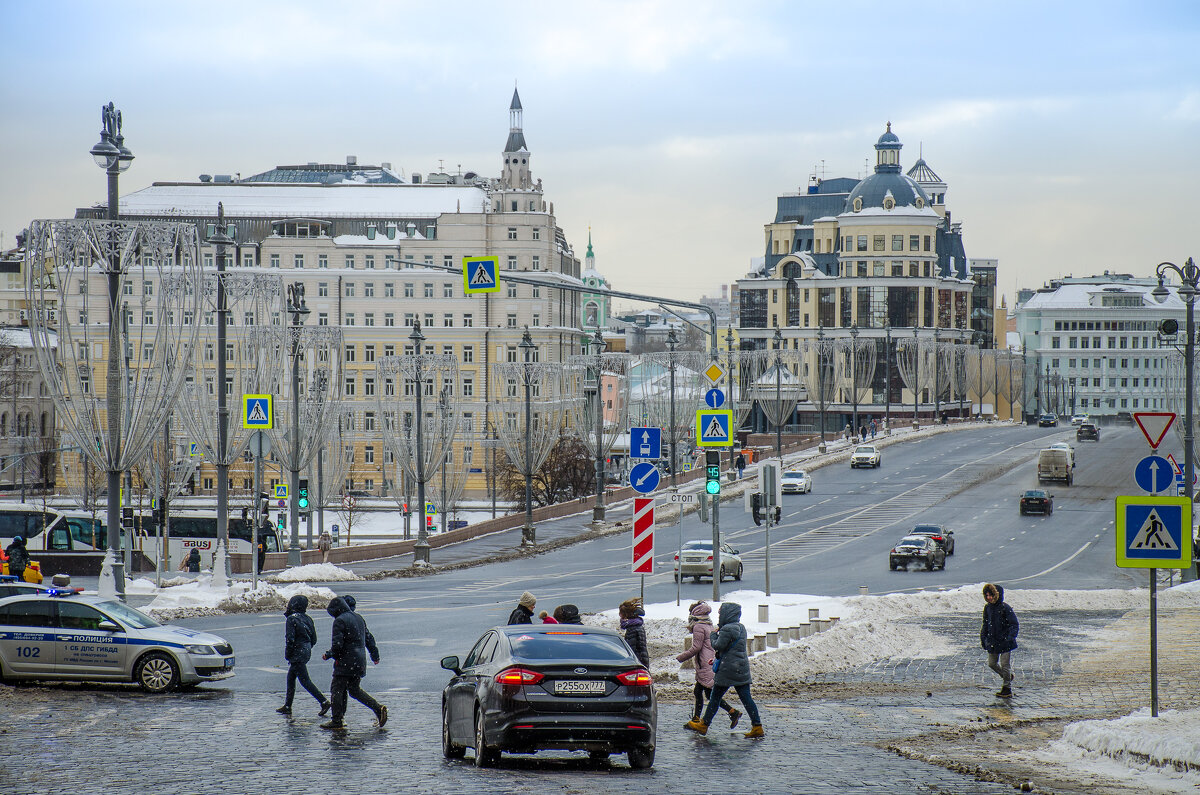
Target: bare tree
column 347, row 514
column 568, row 473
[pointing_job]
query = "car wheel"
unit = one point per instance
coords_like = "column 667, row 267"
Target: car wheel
column 641, row 758
column 449, row 749
column 485, row 756
column 1050, row 510
column 929, row 563
column 738, row 576
column 1022, row 510
column 696, row 578
column 157, row 673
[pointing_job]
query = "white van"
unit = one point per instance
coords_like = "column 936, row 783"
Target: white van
column 1054, row 463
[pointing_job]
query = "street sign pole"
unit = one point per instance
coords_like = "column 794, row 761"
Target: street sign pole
column 716, row 506
column 1154, row 641
column 678, row 552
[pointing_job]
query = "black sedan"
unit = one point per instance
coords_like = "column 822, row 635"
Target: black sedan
column 943, row 537
column 1048, row 420
column 1037, row 501
column 917, row 549
column 1088, row 431
column 527, row 688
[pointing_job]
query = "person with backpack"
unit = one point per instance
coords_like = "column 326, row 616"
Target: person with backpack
column 999, row 635
column 299, row 637
column 351, row 640
column 631, row 613
column 733, row 670
column 702, row 652
column 18, row 558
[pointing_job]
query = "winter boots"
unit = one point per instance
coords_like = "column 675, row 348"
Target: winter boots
column 325, row 708
column 734, row 717
column 697, row 725
column 381, row 715
column 756, row 731
column 1004, row 692
column 333, row 724
column 284, row 710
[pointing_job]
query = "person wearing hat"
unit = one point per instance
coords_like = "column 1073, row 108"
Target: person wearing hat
column 523, row 612
column 18, row 558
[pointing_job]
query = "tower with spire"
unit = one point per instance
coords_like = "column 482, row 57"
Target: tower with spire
column 596, row 306
column 516, row 153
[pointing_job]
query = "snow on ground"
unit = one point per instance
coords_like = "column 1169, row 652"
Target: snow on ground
column 314, row 572
column 200, row 596
column 1158, row 754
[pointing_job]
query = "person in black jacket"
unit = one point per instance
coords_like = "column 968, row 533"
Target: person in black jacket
column 631, row 613
column 351, row 640
column 18, row 558
column 999, row 635
column 567, row 614
column 192, row 561
column 299, row 636
column 523, row 612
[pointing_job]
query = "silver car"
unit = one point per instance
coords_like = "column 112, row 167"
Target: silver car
column 698, row 561
column 796, row 481
column 865, row 455
column 61, row 635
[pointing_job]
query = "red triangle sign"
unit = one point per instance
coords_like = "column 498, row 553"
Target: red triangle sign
column 1154, row 425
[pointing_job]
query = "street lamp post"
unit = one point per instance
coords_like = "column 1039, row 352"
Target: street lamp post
column 597, row 342
column 778, row 393
column 821, row 380
column 112, row 156
column 421, row 548
column 937, row 366
column 978, row 338
column 218, row 235
column 732, row 389
column 528, row 534
column 1189, row 275
column 671, row 343
column 854, row 373
column 299, row 312
column 887, row 390
column 916, row 376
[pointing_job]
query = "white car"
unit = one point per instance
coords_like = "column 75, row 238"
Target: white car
column 1079, row 419
column 60, row 635
column 698, row 561
column 796, row 481
column 1068, row 448
column 865, row 455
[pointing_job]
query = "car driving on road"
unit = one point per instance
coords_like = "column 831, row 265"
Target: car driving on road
column 527, row 688
column 1078, row 419
column 943, row 537
column 1070, row 451
column 1088, row 432
column 61, row 635
column 917, row 549
column 697, row 561
column 796, row 481
column 1037, row 501
column 1048, row 420
column 865, row 455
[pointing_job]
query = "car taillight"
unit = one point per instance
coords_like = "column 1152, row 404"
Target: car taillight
column 937, row 538
column 710, row 557
column 676, row 557
column 638, row 677
column 518, row 676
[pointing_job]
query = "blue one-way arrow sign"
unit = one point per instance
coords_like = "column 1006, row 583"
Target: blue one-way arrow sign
column 644, row 477
column 1154, row 474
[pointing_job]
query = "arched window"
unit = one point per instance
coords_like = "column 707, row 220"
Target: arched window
column 44, row 421
column 4, row 424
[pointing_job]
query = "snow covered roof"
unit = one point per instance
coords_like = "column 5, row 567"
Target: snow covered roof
column 290, row 201
column 1089, row 296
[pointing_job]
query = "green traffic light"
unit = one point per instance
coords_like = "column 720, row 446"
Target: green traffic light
column 713, row 487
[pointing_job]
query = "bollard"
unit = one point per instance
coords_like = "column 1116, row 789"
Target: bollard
column 760, row 643
column 806, row 629
column 813, row 612
column 822, row 624
column 862, row 590
column 60, row 580
column 691, row 661
column 772, row 640
column 749, row 647
column 833, row 620
column 764, row 612
column 788, row 634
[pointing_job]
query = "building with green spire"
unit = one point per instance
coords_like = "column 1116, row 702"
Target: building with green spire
column 597, row 307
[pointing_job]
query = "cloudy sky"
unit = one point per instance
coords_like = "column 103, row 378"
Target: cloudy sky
column 668, row 128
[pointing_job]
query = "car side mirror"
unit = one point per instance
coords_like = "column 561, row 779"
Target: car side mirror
column 451, row 664
column 108, row 626
column 736, row 552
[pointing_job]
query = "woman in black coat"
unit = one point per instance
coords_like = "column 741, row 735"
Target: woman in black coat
column 631, row 613
column 299, row 637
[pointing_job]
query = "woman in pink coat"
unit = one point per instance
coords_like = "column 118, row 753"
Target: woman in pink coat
column 702, row 651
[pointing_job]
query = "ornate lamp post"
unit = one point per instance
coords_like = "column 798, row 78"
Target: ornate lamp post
column 597, row 342
column 821, row 379
column 916, row 376
column 671, row 343
column 528, row 533
column 421, row 548
column 887, row 391
column 299, row 313
column 854, row 373
column 778, row 390
column 218, row 235
column 937, row 367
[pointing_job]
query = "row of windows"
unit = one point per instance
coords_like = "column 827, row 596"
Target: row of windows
column 879, row 243
column 880, row 268
column 1104, row 325
column 350, row 262
column 1114, row 343
column 1126, row 364
column 427, row 319
column 350, row 290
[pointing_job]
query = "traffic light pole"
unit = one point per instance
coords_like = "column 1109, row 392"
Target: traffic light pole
column 716, row 507
column 256, row 518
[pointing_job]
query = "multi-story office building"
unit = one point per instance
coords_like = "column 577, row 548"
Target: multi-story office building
column 376, row 251
column 1092, row 345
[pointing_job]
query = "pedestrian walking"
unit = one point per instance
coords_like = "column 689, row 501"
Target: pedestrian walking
column 324, row 544
column 18, row 558
column 192, row 561
column 862, row 432
column 873, row 426
column 567, row 614
column 740, row 463
column 631, row 613
column 299, row 637
column 262, row 552
column 999, row 635
column 351, row 640
column 733, row 671
column 846, row 433
column 523, row 612
column 702, row 652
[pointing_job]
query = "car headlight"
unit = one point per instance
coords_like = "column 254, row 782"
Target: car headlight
column 199, row 649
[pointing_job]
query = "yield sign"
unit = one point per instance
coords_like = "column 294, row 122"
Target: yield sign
column 1154, row 425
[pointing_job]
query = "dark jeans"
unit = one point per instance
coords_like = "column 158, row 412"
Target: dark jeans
column 701, row 693
column 348, row 685
column 718, row 693
column 300, row 671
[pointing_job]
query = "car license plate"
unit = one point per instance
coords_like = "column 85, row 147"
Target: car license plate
column 229, row 662
column 570, row 686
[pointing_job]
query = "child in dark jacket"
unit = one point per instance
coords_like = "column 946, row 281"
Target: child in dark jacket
column 631, row 613
column 299, row 637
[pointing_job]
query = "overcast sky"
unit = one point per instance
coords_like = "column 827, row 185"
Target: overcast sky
column 669, row 128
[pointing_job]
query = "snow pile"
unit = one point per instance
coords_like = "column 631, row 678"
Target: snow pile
column 1158, row 754
column 314, row 572
column 201, row 597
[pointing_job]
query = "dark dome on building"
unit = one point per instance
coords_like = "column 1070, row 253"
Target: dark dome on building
column 888, row 137
column 888, row 187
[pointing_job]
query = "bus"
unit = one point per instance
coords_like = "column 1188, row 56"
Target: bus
column 197, row 529
column 51, row 529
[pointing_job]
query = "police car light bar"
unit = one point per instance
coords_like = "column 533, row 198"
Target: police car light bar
column 63, row 591
column 8, row 578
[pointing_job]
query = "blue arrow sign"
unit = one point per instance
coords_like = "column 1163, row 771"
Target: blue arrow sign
column 645, row 443
column 714, row 398
column 1153, row 474
column 644, row 477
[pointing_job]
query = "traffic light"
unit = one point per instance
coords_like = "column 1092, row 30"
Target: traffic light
column 1169, row 327
column 712, row 471
column 406, row 511
column 756, row 507
column 302, row 495
column 264, row 507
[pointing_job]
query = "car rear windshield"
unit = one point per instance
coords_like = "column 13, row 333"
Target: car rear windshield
column 912, row 541
column 555, row 645
column 1037, row 495
column 697, row 545
column 927, row 528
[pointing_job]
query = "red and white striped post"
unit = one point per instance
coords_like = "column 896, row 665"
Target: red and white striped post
column 643, row 538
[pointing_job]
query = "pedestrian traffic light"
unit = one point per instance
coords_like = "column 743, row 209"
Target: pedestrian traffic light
column 712, row 471
column 302, row 495
column 756, row 507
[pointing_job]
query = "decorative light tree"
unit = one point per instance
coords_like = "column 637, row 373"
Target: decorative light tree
column 668, row 389
column 917, row 361
column 856, row 362
column 777, row 389
column 602, row 418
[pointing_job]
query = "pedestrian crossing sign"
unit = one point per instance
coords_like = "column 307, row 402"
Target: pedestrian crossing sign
column 281, row 491
column 713, row 427
column 480, row 275
column 258, row 412
column 1154, row 532
column 194, row 448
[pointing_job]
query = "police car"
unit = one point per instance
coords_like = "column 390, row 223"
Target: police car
column 59, row 634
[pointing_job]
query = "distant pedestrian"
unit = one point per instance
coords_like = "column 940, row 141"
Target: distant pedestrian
column 847, row 433
column 523, row 612
column 873, row 426
column 299, row 637
column 702, row 652
column 324, row 544
column 192, row 561
column 18, row 558
column 733, row 671
column 740, row 463
column 999, row 635
column 262, row 552
column 351, row 640
column 631, row 613
column 546, row 618
column 862, row 432
column 567, row 614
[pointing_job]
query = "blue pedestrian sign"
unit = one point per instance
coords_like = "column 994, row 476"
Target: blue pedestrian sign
column 480, row 275
column 1154, row 474
column 1154, row 532
column 714, row 398
column 257, row 412
column 644, row 477
column 645, row 443
column 281, row 491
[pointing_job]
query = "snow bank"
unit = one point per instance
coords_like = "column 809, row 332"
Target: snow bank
column 201, row 597
column 314, row 572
